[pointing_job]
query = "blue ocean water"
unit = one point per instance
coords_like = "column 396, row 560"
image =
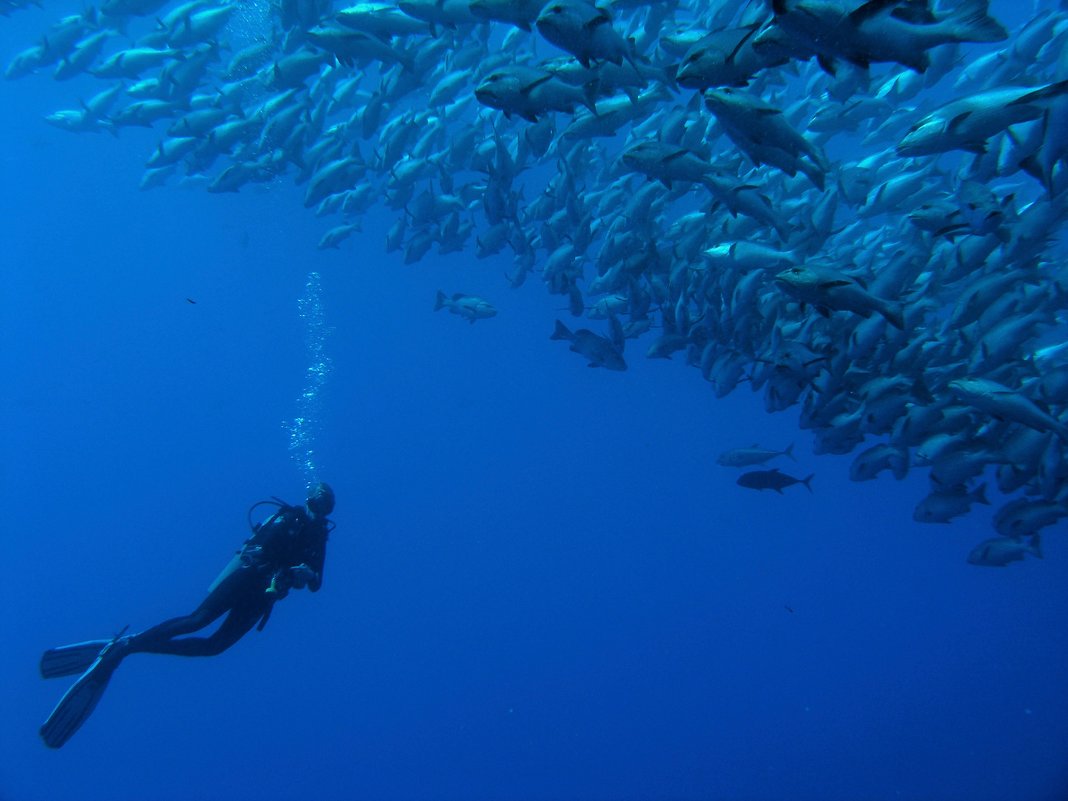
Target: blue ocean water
column 541, row 585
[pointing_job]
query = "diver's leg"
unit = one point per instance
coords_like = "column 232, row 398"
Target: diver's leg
column 236, row 625
column 155, row 639
column 237, row 590
column 231, row 588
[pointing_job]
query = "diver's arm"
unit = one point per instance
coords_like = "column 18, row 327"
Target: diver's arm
column 316, row 561
column 309, row 572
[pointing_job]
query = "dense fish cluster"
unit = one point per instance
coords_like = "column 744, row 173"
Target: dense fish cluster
column 686, row 172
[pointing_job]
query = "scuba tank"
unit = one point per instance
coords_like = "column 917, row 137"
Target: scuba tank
column 242, row 556
column 272, row 501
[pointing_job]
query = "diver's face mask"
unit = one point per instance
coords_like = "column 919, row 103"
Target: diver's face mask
column 321, row 499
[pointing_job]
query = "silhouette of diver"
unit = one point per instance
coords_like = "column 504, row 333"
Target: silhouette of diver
column 285, row 552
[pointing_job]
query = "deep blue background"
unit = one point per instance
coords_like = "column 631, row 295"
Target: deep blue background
column 541, row 585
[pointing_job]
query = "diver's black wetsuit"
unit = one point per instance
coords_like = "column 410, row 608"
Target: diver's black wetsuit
column 288, row 538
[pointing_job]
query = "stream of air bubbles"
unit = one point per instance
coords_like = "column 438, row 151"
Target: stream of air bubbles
column 305, row 427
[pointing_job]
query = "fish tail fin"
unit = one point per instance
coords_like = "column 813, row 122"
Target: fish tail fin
column 894, row 312
column 790, row 452
column 921, row 391
column 439, row 301
column 814, row 173
column 1061, row 431
column 808, row 481
column 979, row 495
column 560, row 332
column 1033, row 167
column 668, row 78
column 782, row 228
column 972, row 23
column 590, row 90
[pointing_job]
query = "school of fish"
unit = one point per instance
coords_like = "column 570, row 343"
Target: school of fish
column 686, row 174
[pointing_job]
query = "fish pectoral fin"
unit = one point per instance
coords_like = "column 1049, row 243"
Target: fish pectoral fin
column 596, row 22
column 526, row 90
column 957, row 121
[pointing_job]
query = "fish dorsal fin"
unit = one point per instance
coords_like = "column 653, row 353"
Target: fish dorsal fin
column 870, row 9
column 916, row 12
column 1043, row 93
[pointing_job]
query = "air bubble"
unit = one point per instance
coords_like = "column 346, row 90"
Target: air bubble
column 305, row 427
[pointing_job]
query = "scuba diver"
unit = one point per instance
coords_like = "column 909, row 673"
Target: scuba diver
column 286, row 551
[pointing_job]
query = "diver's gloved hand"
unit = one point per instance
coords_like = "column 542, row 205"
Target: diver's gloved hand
column 300, row 575
column 279, row 588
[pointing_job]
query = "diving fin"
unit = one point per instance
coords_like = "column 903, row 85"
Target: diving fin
column 78, row 703
column 70, row 660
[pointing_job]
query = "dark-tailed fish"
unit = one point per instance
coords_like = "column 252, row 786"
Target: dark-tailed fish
column 598, row 351
column 772, row 480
